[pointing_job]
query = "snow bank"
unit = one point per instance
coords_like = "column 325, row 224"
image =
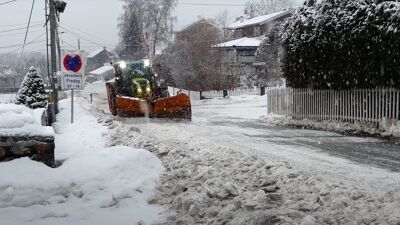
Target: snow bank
column 18, row 120
column 209, row 183
column 386, row 127
column 7, row 98
column 94, row 185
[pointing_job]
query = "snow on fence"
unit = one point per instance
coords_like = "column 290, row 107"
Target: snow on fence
column 366, row 105
column 195, row 95
column 234, row 92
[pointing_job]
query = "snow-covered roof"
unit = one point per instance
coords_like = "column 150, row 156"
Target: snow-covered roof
column 102, row 70
column 22, row 121
column 242, row 42
column 259, row 20
column 98, row 51
column 189, row 26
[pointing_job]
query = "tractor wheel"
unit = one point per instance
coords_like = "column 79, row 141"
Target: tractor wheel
column 111, row 99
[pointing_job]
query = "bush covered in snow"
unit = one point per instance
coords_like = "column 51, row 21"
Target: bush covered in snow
column 343, row 44
column 32, row 93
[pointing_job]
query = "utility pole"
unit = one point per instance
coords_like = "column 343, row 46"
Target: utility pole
column 53, row 53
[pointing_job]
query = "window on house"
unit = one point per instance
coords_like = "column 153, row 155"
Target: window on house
column 248, row 52
column 257, row 31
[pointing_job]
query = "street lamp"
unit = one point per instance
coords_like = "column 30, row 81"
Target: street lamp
column 60, row 6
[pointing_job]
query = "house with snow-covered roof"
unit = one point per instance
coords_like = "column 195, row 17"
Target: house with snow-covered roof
column 239, row 54
column 257, row 26
column 98, row 58
column 191, row 33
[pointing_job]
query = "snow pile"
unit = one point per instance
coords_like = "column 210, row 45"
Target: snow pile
column 19, row 120
column 7, row 98
column 207, row 183
column 94, row 185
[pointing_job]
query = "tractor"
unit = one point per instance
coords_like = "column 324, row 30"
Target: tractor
column 136, row 92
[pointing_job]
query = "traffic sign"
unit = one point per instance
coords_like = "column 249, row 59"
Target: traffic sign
column 72, row 71
column 73, row 62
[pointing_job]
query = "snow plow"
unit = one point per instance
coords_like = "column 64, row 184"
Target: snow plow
column 135, row 92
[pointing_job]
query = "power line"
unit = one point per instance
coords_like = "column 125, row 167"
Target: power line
column 27, row 30
column 15, row 29
column 29, row 43
column 86, row 33
column 18, row 24
column 68, row 31
column 19, row 33
column 8, row 2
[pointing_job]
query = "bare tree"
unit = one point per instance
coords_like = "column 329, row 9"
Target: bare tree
column 159, row 21
column 194, row 63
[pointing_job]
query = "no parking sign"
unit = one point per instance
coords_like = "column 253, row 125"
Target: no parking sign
column 72, row 71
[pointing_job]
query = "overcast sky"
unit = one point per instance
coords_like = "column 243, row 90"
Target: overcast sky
column 94, row 21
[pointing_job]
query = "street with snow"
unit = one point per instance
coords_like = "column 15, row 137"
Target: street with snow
column 226, row 166
column 171, row 112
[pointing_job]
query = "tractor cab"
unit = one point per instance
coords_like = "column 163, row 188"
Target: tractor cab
column 135, row 78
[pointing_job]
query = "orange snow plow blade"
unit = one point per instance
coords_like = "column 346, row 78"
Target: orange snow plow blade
column 172, row 107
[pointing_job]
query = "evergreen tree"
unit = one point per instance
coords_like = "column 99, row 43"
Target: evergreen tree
column 132, row 44
column 343, row 44
column 32, row 93
column 270, row 53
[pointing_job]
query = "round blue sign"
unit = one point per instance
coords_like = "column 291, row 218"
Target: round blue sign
column 73, row 63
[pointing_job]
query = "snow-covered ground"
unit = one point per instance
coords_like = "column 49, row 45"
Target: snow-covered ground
column 224, row 167
column 7, row 98
column 94, row 185
column 387, row 127
column 228, row 166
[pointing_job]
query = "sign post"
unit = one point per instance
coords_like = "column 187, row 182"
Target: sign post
column 72, row 75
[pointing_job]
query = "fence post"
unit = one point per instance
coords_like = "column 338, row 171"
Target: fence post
column 225, row 93
column 262, row 90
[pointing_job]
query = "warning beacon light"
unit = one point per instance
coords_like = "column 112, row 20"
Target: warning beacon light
column 60, row 6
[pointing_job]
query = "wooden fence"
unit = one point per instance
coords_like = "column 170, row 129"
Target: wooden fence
column 367, row 105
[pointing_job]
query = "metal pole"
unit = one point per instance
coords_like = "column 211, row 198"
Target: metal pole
column 79, row 44
column 72, row 105
column 47, row 42
column 53, row 49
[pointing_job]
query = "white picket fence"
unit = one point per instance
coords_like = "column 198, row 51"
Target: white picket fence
column 367, row 105
column 194, row 95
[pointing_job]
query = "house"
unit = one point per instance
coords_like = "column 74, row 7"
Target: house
column 239, row 55
column 106, row 72
column 258, row 26
column 8, row 81
column 98, row 58
column 195, row 32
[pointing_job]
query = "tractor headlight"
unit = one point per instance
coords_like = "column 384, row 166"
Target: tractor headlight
column 122, row 65
column 147, row 63
column 148, row 90
column 140, row 90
